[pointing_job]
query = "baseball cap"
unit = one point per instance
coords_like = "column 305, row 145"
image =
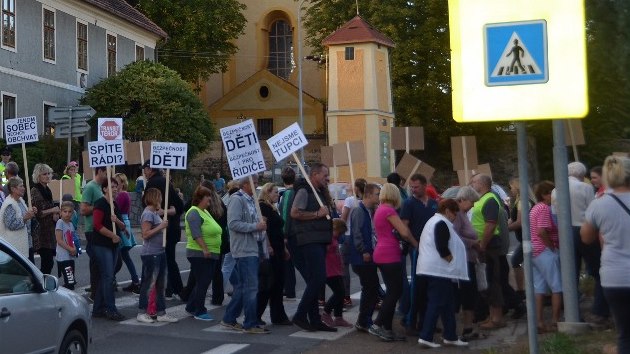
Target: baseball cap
column 73, row 164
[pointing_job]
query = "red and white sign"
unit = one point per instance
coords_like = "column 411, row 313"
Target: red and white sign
column 110, row 129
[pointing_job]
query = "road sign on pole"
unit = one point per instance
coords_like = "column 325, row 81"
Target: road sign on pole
column 61, row 114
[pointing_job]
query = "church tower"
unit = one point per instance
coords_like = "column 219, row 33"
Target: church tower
column 360, row 96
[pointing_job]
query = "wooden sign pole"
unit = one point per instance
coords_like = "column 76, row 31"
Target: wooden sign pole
column 255, row 196
column 572, row 135
column 26, row 179
column 144, row 182
column 166, row 190
column 109, row 193
column 308, row 180
column 407, row 139
column 350, row 163
column 415, row 168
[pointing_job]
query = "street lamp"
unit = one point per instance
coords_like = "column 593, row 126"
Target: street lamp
column 299, row 55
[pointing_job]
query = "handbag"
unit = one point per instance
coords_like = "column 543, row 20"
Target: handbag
column 480, row 272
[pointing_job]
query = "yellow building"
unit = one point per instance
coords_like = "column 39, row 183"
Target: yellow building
column 261, row 83
column 261, row 80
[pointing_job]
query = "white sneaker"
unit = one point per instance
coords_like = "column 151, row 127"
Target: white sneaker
column 166, row 318
column 428, row 344
column 144, row 318
column 455, row 343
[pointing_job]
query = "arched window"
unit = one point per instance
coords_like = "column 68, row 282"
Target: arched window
column 280, row 49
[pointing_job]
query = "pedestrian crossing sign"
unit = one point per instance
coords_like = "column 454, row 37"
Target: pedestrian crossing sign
column 516, row 53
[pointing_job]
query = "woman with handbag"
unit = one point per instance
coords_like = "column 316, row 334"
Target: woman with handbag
column 468, row 290
column 44, row 241
column 609, row 216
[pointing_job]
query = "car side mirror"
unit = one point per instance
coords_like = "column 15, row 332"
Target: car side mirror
column 50, row 283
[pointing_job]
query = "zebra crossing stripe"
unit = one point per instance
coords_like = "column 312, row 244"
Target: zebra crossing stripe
column 226, row 348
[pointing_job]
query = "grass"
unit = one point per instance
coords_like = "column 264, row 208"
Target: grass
column 560, row 343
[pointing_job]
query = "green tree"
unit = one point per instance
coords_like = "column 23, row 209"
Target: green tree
column 201, row 34
column 155, row 103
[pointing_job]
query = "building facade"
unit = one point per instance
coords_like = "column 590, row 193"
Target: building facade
column 52, row 50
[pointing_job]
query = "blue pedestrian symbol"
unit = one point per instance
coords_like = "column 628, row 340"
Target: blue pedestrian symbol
column 516, row 53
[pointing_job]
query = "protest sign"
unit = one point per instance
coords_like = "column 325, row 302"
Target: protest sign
column 20, row 130
column 327, row 159
column 137, row 152
column 110, row 129
column 408, row 138
column 288, row 141
column 106, row 153
column 464, row 176
column 88, row 173
column 409, row 165
column 169, row 155
column 243, row 149
column 61, row 187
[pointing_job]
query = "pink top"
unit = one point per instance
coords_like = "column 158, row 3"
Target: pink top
column 540, row 218
column 124, row 202
column 334, row 264
column 387, row 246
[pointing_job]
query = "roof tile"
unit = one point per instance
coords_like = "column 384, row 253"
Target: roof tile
column 357, row 30
column 128, row 13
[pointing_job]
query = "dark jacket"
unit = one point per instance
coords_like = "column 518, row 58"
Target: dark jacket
column 361, row 237
column 274, row 229
column 312, row 231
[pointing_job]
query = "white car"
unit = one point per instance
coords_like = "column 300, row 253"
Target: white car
column 36, row 315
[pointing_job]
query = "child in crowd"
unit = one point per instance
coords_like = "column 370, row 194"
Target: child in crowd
column 75, row 222
column 153, row 259
column 334, row 279
column 64, row 233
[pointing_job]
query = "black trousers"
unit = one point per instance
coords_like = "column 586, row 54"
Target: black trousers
column 393, row 282
column 368, row 277
column 174, row 284
column 47, row 259
column 335, row 302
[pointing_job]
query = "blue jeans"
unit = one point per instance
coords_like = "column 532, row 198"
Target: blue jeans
column 245, row 291
column 104, row 299
column 408, row 297
column 153, row 275
column 203, row 270
column 313, row 264
column 228, row 271
column 440, row 293
column 124, row 254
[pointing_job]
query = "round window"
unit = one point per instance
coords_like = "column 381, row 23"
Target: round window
column 263, row 91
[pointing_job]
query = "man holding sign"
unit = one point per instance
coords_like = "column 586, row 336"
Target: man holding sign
column 313, row 232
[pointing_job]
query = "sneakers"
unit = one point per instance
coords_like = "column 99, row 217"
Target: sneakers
column 144, row 318
column 380, row 332
column 359, row 327
column 397, row 337
column 303, row 324
column 327, row 319
column 347, row 302
column 233, row 326
column 257, row 330
column 166, row 318
column 455, row 343
column 114, row 316
column 323, row 327
column 340, row 322
column 203, row 317
column 428, row 344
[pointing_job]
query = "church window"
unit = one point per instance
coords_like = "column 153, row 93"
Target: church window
column 280, row 49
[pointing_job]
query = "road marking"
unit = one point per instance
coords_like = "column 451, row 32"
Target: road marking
column 227, row 348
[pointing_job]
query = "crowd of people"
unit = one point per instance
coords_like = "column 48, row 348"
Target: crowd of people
column 249, row 244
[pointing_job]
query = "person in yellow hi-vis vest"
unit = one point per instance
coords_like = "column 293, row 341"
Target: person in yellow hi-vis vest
column 71, row 172
column 6, row 158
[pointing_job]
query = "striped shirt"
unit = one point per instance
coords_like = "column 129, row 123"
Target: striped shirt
column 540, row 218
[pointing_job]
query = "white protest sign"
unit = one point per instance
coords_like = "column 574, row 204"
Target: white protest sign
column 243, row 149
column 289, row 140
column 106, row 153
column 20, row 130
column 169, row 155
column 110, row 129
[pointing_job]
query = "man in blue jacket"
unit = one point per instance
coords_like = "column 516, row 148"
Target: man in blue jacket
column 360, row 253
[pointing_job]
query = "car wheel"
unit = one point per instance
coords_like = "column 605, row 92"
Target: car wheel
column 73, row 343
